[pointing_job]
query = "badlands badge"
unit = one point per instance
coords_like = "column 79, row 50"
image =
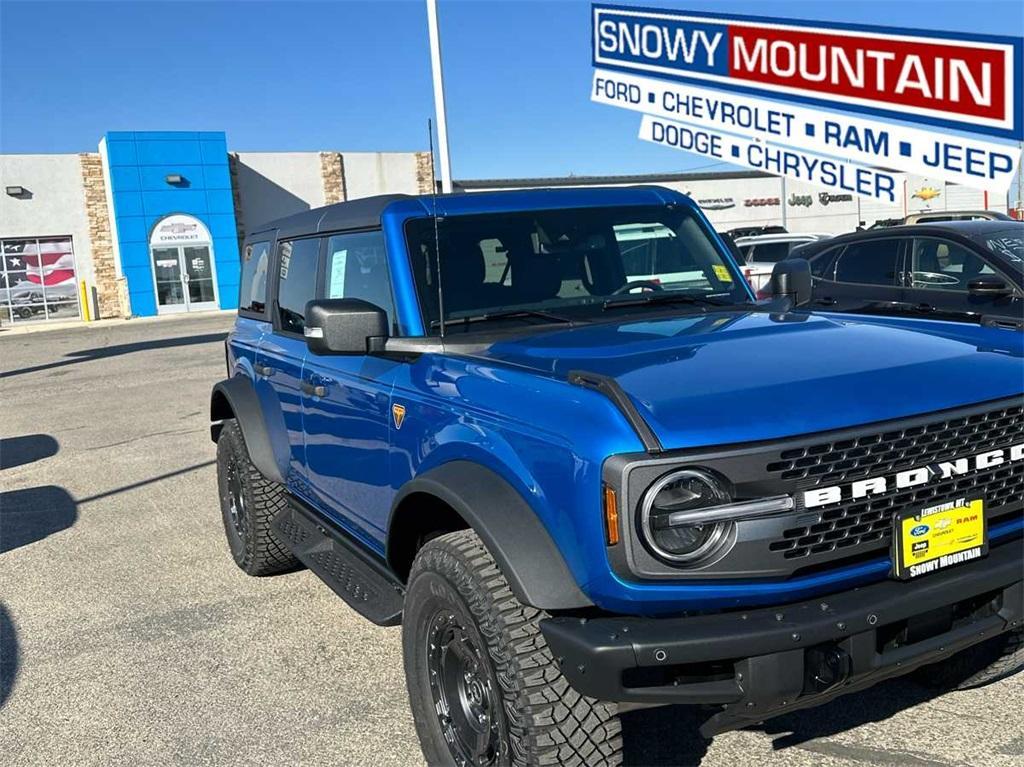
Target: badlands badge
column 939, row 537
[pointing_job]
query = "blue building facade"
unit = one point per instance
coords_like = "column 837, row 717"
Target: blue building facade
column 173, row 219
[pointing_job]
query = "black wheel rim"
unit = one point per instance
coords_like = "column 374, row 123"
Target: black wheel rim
column 464, row 697
column 235, row 498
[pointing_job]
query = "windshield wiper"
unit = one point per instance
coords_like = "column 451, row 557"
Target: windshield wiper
column 511, row 314
column 665, row 297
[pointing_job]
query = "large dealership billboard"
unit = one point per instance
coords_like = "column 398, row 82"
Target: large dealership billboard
column 838, row 106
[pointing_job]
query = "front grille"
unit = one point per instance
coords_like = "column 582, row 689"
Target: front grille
column 886, row 452
column 869, row 521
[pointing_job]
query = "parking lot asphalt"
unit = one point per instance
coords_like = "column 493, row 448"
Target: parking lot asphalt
column 127, row 635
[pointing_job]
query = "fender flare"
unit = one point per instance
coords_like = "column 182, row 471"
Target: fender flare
column 509, row 527
column 244, row 403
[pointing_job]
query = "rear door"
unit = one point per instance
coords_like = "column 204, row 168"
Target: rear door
column 283, row 351
column 863, row 276
column 346, row 399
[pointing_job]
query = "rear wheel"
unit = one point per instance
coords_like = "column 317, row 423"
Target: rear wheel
column 483, row 686
column 249, row 501
column 985, row 663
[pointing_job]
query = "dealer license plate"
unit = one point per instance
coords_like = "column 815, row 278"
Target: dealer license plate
column 938, row 537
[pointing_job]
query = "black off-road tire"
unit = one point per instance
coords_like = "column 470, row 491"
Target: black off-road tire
column 983, row 664
column 248, row 503
column 539, row 719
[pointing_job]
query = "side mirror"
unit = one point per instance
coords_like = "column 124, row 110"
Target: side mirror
column 988, row 287
column 345, row 326
column 792, row 279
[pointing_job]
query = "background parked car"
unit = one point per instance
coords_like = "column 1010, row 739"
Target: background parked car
column 962, row 270
column 762, row 252
column 936, row 216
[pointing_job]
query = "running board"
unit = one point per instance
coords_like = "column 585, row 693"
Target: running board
column 361, row 579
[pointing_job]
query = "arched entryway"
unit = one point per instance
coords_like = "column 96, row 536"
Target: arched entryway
column 184, row 274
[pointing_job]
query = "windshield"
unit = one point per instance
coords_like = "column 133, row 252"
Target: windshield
column 1008, row 243
column 568, row 264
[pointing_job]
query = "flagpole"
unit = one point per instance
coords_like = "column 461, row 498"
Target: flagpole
column 439, row 106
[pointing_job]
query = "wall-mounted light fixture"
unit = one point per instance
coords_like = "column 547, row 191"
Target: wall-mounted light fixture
column 16, row 191
column 174, row 178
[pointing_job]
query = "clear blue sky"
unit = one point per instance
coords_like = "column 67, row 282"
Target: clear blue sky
column 353, row 75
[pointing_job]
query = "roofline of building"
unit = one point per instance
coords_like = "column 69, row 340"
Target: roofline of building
column 645, row 178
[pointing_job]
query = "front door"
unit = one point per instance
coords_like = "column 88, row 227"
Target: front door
column 184, row 278
column 867, row 277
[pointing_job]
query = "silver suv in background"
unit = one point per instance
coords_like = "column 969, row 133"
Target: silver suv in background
column 761, row 253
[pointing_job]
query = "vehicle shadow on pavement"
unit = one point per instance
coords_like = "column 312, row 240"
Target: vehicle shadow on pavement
column 663, row 737
column 10, row 658
column 875, row 704
column 33, row 513
column 668, row 736
column 103, row 352
column 28, row 448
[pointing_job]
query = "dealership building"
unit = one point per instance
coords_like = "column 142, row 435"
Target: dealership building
column 151, row 223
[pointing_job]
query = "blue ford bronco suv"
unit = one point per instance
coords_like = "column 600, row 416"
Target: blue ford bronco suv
column 551, row 433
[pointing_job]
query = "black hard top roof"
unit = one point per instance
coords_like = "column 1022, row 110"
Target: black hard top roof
column 357, row 214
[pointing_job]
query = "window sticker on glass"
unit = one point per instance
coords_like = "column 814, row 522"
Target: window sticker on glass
column 722, row 273
column 286, row 257
column 339, row 260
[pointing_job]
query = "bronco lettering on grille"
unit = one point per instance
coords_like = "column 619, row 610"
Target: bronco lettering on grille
column 823, row 496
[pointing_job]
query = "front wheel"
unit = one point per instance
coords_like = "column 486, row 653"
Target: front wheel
column 248, row 502
column 483, row 686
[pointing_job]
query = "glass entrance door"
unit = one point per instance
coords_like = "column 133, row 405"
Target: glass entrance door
column 184, row 279
column 201, row 293
column 170, row 287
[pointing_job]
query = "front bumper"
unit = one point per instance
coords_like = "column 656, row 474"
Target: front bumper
column 763, row 662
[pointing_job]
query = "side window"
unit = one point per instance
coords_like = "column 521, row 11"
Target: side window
column 357, row 267
column 252, row 294
column 944, row 265
column 297, row 264
column 872, row 262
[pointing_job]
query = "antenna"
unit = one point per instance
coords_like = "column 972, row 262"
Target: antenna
column 437, row 233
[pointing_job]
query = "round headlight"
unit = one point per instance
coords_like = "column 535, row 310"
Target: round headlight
column 663, row 516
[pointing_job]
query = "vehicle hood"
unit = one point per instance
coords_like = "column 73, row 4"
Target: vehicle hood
column 723, row 378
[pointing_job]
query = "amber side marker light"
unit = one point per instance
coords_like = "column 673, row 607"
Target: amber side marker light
column 611, row 516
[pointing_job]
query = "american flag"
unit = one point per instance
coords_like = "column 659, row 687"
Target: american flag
column 49, row 263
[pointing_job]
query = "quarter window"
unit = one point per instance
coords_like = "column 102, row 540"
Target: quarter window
column 821, row 265
column 357, row 267
column 873, row 262
column 253, row 290
column 297, row 266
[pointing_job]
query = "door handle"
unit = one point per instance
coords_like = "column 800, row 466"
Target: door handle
column 827, row 301
column 311, row 389
column 263, row 370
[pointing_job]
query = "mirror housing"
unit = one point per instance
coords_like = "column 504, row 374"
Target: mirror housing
column 345, row 326
column 791, row 279
column 988, row 287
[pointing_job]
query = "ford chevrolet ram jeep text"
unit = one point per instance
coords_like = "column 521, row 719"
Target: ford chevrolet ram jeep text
column 584, row 483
